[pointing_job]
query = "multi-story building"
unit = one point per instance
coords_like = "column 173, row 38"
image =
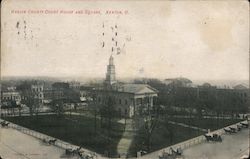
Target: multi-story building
column 206, row 96
column 74, row 85
column 127, row 99
column 10, row 96
column 38, row 91
column 60, row 90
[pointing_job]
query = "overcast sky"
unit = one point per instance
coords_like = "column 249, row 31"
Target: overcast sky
column 158, row 39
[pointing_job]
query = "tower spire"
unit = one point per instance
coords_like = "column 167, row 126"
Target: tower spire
column 110, row 75
column 111, row 60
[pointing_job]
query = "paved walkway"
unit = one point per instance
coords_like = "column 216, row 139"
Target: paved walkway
column 233, row 147
column 187, row 126
column 28, row 114
column 17, row 145
column 127, row 138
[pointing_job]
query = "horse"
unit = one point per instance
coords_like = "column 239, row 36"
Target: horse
column 216, row 137
column 86, row 156
column 178, row 151
column 165, row 155
column 72, row 151
column 208, row 137
column 52, row 141
column 239, row 127
column 46, row 141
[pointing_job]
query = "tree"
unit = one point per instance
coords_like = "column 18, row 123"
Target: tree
column 108, row 110
column 150, row 119
column 27, row 96
column 91, row 101
column 19, row 110
column 150, row 125
column 61, row 94
column 57, row 106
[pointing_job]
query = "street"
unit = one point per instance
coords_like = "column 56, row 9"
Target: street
column 15, row 144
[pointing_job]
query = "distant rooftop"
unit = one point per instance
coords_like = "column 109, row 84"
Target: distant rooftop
column 137, row 88
column 182, row 79
column 184, row 82
column 240, row 86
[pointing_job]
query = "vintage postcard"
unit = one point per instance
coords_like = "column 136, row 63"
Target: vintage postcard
column 149, row 79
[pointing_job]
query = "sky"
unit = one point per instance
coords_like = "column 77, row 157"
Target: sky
column 200, row 40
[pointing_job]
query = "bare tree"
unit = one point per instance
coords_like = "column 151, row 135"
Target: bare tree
column 107, row 110
column 28, row 97
column 151, row 118
column 91, row 101
column 150, row 125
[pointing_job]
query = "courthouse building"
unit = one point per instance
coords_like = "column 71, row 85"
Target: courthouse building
column 128, row 99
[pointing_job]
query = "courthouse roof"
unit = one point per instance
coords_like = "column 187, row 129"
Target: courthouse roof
column 137, row 88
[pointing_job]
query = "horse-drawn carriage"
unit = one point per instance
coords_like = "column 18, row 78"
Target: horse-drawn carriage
column 72, row 152
column 80, row 153
column 234, row 130
column 173, row 154
column 49, row 141
column 214, row 138
column 84, row 155
column 238, row 127
column 4, row 123
column 230, row 130
column 244, row 125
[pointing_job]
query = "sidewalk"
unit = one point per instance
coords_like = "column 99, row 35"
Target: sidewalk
column 127, row 138
column 187, row 126
column 15, row 144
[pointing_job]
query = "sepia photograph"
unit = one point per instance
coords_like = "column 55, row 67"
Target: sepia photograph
column 109, row 79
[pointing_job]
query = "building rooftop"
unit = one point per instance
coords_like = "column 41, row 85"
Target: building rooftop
column 240, row 86
column 178, row 81
column 137, row 88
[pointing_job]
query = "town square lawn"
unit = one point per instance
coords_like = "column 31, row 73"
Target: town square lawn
column 78, row 130
column 163, row 135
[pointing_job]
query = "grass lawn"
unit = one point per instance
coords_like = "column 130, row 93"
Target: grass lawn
column 78, row 130
column 164, row 135
column 207, row 123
